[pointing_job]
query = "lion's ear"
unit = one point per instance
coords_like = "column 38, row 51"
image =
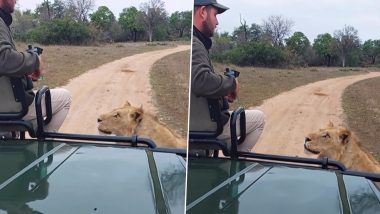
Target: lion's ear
column 344, row 135
column 140, row 109
column 330, row 124
column 127, row 104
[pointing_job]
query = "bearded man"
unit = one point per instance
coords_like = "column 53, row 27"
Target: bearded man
column 208, row 87
column 24, row 66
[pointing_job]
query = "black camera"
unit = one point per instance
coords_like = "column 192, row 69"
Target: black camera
column 231, row 73
column 36, row 50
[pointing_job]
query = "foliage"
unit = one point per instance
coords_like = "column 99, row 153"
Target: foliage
column 80, row 8
column 22, row 24
column 103, row 18
column 151, row 22
column 347, row 40
column 152, row 13
column 61, row 31
column 246, row 34
column 129, row 21
column 222, row 44
column 298, row 43
column 371, row 49
column 324, row 48
column 180, row 22
column 256, row 54
column 277, row 28
column 264, row 46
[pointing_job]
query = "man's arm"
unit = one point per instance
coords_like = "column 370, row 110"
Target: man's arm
column 12, row 62
column 206, row 83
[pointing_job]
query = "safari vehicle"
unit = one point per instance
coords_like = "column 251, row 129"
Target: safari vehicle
column 74, row 173
column 244, row 182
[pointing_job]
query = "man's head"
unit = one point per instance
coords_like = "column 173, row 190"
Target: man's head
column 205, row 12
column 8, row 5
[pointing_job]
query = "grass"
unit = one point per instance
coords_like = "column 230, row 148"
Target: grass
column 361, row 104
column 63, row 63
column 170, row 82
column 259, row 84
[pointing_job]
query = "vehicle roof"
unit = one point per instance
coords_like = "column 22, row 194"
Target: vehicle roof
column 219, row 185
column 57, row 177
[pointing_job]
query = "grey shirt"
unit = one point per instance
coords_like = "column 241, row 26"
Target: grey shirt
column 206, row 84
column 13, row 63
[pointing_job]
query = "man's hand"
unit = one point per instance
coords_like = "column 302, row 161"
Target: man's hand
column 37, row 73
column 233, row 95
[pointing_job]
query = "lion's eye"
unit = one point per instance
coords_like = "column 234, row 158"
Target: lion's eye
column 116, row 115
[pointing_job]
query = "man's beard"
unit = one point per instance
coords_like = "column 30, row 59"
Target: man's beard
column 208, row 30
column 8, row 8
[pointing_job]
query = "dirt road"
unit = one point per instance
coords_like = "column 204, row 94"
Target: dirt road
column 294, row 114
column 109, row 86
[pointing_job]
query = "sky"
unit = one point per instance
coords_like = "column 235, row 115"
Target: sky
column 311, row 17
column 116, row 6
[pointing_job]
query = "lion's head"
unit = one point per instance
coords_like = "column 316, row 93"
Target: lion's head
column 328, row 142
column 121, row 121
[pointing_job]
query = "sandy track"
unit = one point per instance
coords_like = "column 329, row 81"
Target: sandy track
column 294, row 114
column 107, row 87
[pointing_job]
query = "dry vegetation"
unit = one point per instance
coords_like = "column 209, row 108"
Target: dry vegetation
column 63, row 63
column 259, row 84
column 361, row 104
column 170, row 82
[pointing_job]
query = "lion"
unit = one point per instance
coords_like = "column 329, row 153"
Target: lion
column 340, row 144
column 129, row 120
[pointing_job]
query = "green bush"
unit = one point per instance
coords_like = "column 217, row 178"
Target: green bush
column 61, row 31
column 256, row 53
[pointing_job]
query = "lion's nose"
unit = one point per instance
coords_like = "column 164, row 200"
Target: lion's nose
column 307, row 139
column 99, row 120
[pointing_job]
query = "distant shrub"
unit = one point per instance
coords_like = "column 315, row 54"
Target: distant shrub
column 61, row 31
column 256, row 53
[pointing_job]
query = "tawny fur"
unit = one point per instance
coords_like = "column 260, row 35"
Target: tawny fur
column 129, row 120
column 340, row 144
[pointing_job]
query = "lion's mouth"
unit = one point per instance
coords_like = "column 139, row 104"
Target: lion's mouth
column 102, row 131
column 305, row 145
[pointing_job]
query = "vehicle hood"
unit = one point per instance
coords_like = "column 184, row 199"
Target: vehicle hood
column 228, row 186
column 55, row 177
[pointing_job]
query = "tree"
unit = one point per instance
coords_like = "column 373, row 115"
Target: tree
column 43, row 11
column 152, row 14
column 246, row 34
column 58, row 9
column 298, row 43
column 181, row 22
column 103, row 18
column 81, row 8
column 277, row 28
column 323, row 46
column 128, row 19
column 371, row 49
column 255, row 32
column 346, row 41
column 23, row 22
column 221, row 44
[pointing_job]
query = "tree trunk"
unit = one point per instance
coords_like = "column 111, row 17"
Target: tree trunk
column 134, row 35
column 373, row 60
column 150, row 32
column 343, row 62
column 328, row 61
